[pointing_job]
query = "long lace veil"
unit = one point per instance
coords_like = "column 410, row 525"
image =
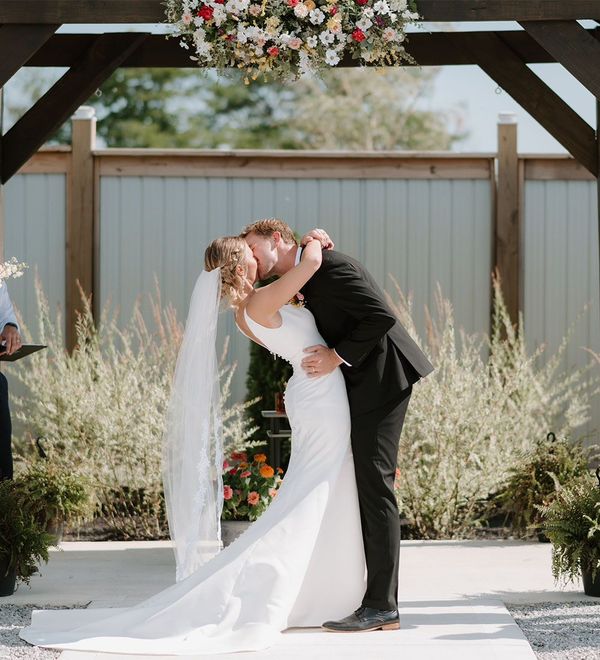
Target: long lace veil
column 192, row 439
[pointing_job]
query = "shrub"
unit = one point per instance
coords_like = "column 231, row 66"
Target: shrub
column 101, row 408
column 471, row 420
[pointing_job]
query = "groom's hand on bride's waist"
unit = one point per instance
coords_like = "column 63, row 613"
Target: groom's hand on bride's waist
column 320, row 361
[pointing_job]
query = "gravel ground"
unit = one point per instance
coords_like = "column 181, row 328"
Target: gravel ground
column 561, row 630
column 569, row 631
column 12, row 619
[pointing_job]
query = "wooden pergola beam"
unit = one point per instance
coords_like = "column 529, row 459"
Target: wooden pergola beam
column 152, row 11
column 428, row 49
column 571, row 45
column 105, row 54
column 505, row 67
column 18, row 43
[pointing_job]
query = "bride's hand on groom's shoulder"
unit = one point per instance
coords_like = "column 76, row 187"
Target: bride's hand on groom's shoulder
column 320, row 235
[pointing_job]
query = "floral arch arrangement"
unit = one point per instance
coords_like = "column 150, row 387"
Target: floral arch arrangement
column 286, row 38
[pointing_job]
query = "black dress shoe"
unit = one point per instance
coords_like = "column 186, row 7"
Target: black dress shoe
column 365, row 619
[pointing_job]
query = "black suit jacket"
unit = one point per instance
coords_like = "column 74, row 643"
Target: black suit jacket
column 353, row 317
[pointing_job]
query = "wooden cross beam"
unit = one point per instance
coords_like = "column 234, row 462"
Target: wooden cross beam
column 18, row 43
column 428, row 49
column 105, row 54
column 153, row 11
column 505, row 67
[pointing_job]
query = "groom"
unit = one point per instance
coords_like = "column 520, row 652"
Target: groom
column 380, row 363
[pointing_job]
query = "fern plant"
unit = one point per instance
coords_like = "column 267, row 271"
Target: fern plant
column 572, row 523
column 538, row 476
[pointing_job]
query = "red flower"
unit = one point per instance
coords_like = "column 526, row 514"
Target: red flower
column 358, row 35
column 206, row 12
column 232, row 471
column 220, row 2
column 293, row 3
column 361, row 2
column 333, row 10
column 273, row 51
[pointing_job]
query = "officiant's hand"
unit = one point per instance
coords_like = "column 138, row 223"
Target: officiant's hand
column 320, row 235
column 12, row 338
column 320, row 361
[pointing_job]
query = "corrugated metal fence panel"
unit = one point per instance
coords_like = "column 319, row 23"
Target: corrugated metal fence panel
column 561, row 271
column 35, row 219
column 420, row 231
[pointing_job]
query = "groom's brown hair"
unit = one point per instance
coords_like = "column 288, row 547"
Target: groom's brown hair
column 267, row 226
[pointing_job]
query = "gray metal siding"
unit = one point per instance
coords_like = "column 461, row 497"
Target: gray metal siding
column 560, row 276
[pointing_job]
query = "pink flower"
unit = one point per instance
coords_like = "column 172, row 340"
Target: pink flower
column 245, row 473
column 253, row 498
column 227, row 492
column 225, row 464
column 272, row 492
column 273, row 51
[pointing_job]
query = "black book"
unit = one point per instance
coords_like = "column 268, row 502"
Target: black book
column 26, row 349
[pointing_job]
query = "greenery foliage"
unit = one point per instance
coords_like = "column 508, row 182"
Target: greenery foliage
column 537, row 478
column 470, row 422
column 24, row 541
column 572, row 523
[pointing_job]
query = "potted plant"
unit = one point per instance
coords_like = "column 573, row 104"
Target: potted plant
column 536, row 480
column 55, row 496
column 24, row 541
column 248, row 489
column 572, row 523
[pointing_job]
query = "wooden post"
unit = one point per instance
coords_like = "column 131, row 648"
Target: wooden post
column 507, row 240
column 1, row 186
column 80, row 218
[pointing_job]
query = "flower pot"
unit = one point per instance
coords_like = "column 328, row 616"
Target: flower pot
column 590, row 587
column 7, row 581
column 231, row 529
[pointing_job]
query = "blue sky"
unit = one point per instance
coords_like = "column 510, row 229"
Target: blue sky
column 473, row 91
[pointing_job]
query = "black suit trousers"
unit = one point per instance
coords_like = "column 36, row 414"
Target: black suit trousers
column 6, row 459
column 375, row 440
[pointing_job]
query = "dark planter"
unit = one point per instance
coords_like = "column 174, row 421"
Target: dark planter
column 7, row 581
column 590, row 587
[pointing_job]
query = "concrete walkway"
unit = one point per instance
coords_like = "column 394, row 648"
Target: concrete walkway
column 452, row 598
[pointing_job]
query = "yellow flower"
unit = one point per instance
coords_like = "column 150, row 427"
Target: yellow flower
column 267, row 471
column 309, row 4
column 260, row 458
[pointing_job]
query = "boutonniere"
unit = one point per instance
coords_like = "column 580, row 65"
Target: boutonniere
column 298, row 300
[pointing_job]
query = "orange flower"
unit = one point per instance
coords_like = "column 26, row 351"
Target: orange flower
column 243, row 464
column 253, row 498
column 260, row 458
column 267, row 471
column 279, row 471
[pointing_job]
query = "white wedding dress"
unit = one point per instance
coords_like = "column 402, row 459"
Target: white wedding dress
column 301, row 563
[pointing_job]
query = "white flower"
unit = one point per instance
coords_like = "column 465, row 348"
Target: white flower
column 331, row 57
column 342, row 38
column 316, row 16
column 311, row 41
column 254, row 9
column 187, row 18
column 393, row 17
column 242, row 5
column 327, row 37
column 389, row 34
column 301, row 10
column 219, row 15
column 242, row 34
column 198, row 21
column 364, row 23
column 368, row 11
column 258, row 51
column 381, row 7
column 398, row 5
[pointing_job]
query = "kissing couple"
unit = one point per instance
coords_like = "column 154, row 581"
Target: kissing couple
column 330, row 540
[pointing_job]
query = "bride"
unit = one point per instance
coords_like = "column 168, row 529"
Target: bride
column 302, row 562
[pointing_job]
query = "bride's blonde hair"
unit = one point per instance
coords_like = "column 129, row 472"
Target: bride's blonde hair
column 228, row 253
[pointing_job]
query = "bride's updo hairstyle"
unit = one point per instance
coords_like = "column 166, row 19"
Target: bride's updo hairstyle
column 227, row 253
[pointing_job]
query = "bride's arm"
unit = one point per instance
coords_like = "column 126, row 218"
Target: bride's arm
column 267, row 301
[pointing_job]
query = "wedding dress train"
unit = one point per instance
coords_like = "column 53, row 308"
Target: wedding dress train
column 301, row 563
